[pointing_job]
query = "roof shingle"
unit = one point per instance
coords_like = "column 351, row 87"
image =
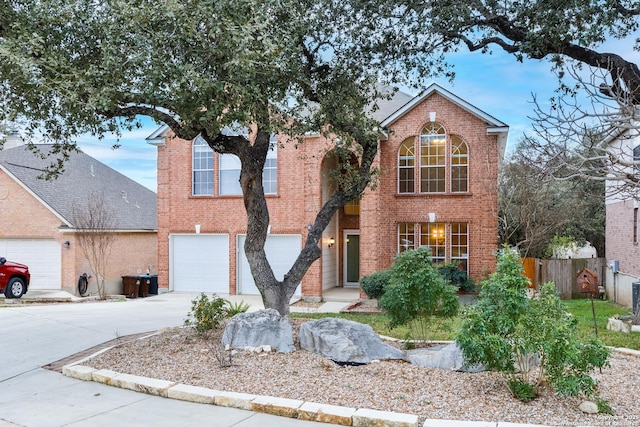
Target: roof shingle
column 134, row 206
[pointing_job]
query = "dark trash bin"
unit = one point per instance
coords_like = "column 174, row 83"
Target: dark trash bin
column 153, row 285
column 131, row 286
column 145, row 282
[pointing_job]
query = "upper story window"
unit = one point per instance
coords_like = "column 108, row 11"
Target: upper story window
column 432, row 158
column 270, row 172
column 406, row 167
column 434, row 147
column 202, row 168
column 459, row 165
column 229, row 181
column 229, row 167
column 636, row 156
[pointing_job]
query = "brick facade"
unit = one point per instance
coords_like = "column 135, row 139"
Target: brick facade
column 620, row 236
column 303, row 185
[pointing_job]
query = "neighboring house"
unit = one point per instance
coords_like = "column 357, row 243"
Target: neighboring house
column 37, row 225
column 439, row 160
column 622, row 228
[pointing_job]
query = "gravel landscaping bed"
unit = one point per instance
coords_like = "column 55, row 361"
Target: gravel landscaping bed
column 181, row 355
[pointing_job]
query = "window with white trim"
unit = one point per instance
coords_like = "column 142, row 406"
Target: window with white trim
column 459, row 165
column 202, row 168
column 270, row 172
column 432, row 158
column 229, row 175
column 406, row 236
column 433, row 236
column 406, row 166
column 460, row 245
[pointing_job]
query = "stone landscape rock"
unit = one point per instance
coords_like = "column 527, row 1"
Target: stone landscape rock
column 258, row 329
column 441, row 357
column 617, row 325
column 345, row 341
column 588, row 407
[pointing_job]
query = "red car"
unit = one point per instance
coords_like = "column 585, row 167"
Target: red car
column 14, row 278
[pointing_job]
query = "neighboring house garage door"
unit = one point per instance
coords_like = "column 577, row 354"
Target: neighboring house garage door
column 282, row 251
column 200, row 263
column 42, row 256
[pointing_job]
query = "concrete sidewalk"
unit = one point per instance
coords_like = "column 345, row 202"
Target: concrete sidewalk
column 335, row 302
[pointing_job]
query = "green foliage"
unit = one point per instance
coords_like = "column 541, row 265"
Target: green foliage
column 604, row 407
column 417, row 292
column 459, row 278
column 206, row 313
column 238, row 307
column 521, row 389
column 506, row 331
column 375, row 284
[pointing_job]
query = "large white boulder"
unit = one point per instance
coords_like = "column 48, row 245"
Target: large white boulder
column 345, row 341
column 441, row 357
column 259, row 328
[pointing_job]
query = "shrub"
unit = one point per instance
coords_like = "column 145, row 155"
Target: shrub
column 375, row 284
column 505, row 331
column 206, row 313
column 459, row 278
column 417, row 292
column 234, row 308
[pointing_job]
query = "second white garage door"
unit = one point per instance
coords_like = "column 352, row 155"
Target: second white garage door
column 282, row 251
column 199, row 263
column 42, row 256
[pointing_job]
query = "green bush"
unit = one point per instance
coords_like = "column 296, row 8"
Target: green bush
column 375, row 284
column 417, row 292
column 452, row 273
column 234, row 308
column 206, row 313
column 505, row 331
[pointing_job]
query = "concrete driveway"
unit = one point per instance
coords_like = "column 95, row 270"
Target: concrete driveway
column 35, row 335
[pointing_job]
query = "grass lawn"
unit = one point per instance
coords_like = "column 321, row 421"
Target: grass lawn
column 445, row 329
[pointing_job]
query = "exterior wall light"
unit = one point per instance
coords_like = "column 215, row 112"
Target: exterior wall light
column 332, row 242
column 67, row 244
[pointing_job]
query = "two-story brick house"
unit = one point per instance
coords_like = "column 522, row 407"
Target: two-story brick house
column 438, row 159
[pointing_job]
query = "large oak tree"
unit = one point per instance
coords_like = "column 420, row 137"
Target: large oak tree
column 598, row 90
column 271, row 66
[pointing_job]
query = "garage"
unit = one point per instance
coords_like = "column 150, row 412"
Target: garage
column 42, row 256
column 199, row 263
column 282, row 251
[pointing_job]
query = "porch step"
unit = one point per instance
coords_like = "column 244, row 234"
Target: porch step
column 341, row 295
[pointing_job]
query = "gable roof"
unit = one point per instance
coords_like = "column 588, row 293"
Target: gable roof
column 494, row 126
column 134, row 207
column 400, row 103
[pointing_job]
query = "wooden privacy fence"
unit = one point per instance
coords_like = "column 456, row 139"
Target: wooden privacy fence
column 563, row 273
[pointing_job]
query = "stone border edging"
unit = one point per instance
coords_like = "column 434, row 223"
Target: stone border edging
column 291, row 408
column 284, row 407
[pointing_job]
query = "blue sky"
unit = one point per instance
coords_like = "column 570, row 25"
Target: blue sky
column 496, row 84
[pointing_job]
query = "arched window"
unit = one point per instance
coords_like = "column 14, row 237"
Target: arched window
column 432, row 158
column 459, row 165
column 202, row 168
column 406, row 167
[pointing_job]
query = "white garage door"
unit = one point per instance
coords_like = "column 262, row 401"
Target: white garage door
column 282, row 251
column 200, row 263
column 42, row 256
